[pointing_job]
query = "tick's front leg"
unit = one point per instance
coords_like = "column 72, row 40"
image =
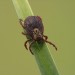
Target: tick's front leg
column 31, row 45
column 26, row 43
column 24, row 33
column 51, row 44
column 45, row 37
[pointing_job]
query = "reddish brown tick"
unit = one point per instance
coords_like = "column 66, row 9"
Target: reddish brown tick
column 35, row 29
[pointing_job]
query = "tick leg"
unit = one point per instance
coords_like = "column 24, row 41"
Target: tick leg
column 21, row 22
column 51, row 44
column 26, row 43
column 30, row 46
column 24, row 33
column 45, row 37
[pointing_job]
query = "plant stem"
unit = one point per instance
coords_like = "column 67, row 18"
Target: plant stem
column 40, row 50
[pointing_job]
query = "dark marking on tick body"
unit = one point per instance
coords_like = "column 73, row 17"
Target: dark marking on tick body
column 35, row 29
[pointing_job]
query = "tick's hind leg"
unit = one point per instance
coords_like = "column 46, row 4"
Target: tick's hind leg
column 26, row 43
column 31, row 45
column 21, row 22
column 51, row 44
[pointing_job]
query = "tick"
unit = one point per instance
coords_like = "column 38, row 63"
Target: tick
column 34, row 28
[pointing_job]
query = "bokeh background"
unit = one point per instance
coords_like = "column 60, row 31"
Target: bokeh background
column 59, row 23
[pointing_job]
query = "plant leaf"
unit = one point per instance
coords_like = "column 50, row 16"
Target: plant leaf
column 40, row 49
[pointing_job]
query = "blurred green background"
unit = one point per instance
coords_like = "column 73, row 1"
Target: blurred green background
column 59, row 21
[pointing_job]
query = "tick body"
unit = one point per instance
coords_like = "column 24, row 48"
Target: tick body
column 35, row 29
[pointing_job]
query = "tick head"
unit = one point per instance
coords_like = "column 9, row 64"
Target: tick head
column 37, row 34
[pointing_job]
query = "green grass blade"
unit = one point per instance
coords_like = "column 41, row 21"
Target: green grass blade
column 40, row 50
column 44, row 59
column 22, row 8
